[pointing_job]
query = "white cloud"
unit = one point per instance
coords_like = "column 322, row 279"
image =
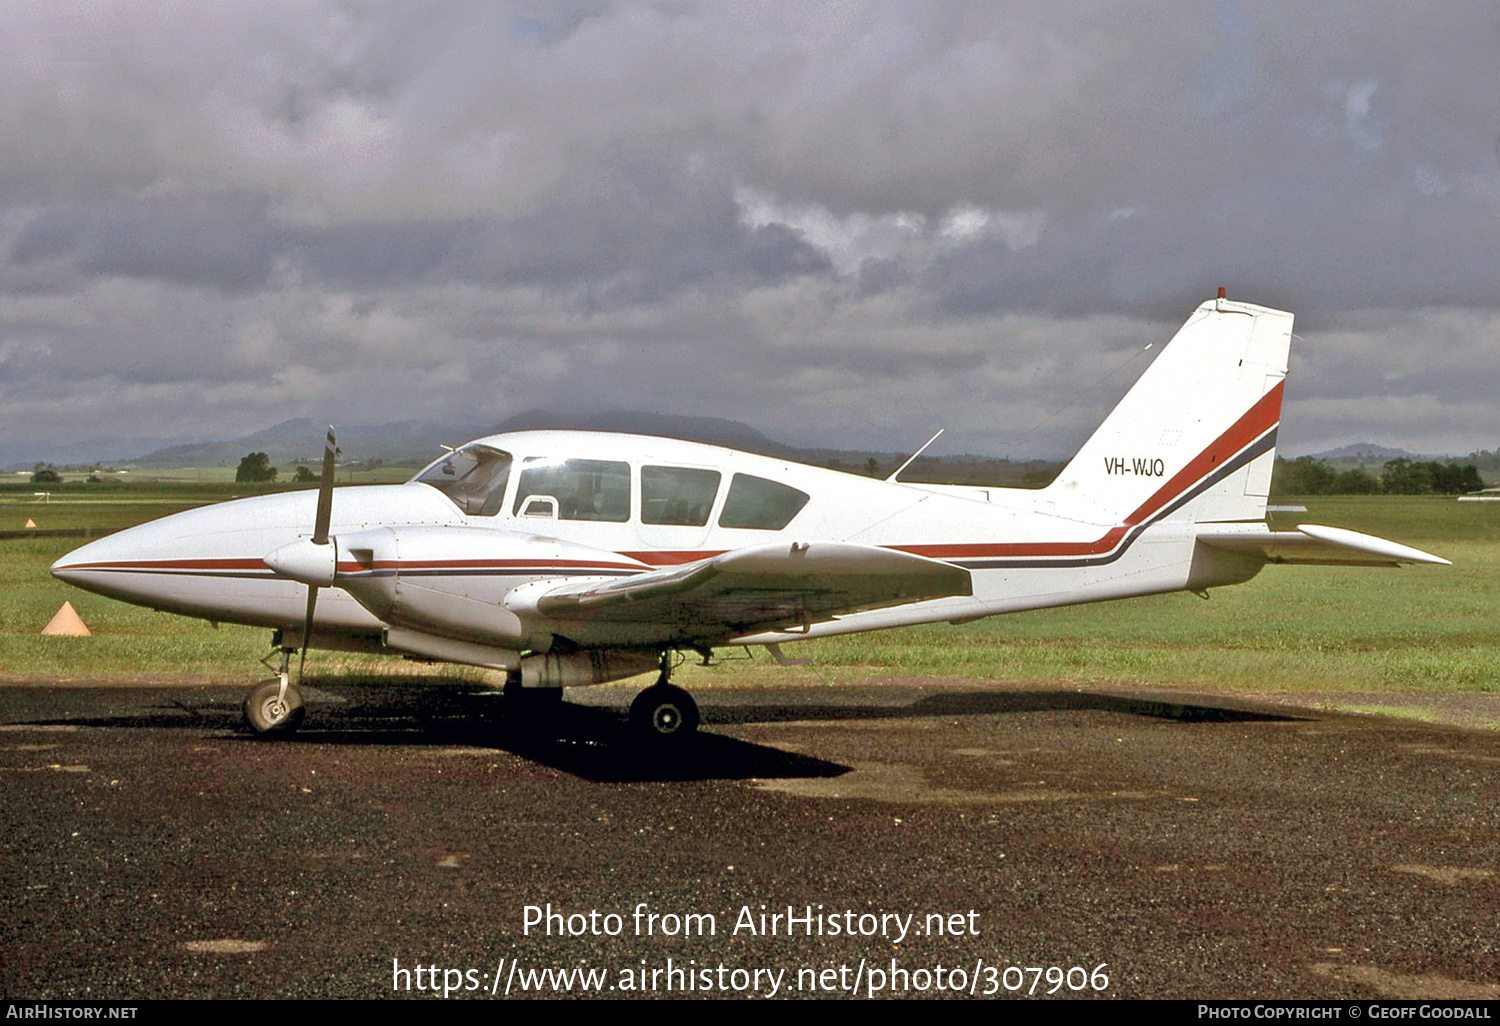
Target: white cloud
column 1430, row 182
column 1360, row 123
column 903, row 236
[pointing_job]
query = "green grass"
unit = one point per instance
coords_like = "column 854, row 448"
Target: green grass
column 225, row 475
column 149, row 495
column 1419, row 713
column 128, row 641
column 109, row 507
column 1308, row 629
column 135, row 476
column 99, row 514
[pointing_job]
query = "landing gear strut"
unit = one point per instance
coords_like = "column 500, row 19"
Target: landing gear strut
column 663, row 713
column 274, row 708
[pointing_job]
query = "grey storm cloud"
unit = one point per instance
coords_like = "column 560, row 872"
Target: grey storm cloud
column 224, row 242
column 639, row 250
column 834, row 222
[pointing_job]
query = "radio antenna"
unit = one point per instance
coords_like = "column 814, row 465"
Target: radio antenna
column 914, row 455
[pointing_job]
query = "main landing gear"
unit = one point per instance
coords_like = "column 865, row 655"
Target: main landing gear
column 663, row 713
column 274, row 708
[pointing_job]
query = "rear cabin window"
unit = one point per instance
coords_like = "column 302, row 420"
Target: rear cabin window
column 473, row 477
column 578, row 490
column 680, row 496
column 759, row 504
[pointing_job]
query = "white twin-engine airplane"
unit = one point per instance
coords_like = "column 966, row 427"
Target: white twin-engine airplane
column 571, row 558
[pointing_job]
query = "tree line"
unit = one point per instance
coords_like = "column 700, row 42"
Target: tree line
column 1308, row 475
column 256, row 468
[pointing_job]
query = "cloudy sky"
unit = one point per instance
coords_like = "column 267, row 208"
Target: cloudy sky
column 842, row 223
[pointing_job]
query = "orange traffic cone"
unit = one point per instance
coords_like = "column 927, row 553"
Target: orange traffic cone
column 30, row 522
column 67, row 622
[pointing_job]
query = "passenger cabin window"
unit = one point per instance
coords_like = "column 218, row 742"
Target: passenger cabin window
column 759, row 504
column 579, row 489
column 677, row 496
column 474, row 477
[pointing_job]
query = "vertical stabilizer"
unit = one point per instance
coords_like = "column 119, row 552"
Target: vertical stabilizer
column 1195, row 438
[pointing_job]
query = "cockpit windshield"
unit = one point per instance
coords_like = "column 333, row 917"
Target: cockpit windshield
column 474, row 477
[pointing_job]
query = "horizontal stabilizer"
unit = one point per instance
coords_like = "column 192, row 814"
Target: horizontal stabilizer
column 773, row 586
column 1316, row 544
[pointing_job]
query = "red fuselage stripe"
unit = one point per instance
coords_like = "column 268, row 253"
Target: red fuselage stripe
column 1259, row 419
column 353, row 567
column 174, row 564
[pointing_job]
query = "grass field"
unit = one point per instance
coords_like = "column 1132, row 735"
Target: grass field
column 1292, row 629
column 134, row 477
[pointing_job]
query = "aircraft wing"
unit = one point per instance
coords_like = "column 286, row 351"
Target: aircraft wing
column 1316, row 544
column 775, row 586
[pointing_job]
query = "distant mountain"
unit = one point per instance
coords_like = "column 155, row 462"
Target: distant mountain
column 710, row 430
column 416, row 442
column 1367, row 451
column 301, row 440
column 85, row 452
column 412, row 443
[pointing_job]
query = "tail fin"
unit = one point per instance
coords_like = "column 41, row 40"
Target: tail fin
column 1195, row 438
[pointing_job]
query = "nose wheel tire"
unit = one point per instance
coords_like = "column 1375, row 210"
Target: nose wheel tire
column 663, row 714
column 269, row 713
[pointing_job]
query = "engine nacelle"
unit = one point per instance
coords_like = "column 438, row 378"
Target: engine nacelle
column 452, row 581
column 579, row 669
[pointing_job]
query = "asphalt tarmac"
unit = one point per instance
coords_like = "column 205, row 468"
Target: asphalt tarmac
column 914, row 840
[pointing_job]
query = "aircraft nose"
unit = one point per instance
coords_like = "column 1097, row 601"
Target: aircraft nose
column 74, row 566
column 227, row 539
column 66, row 568
column 192, row 562
column 210, row 562
column 94, row 565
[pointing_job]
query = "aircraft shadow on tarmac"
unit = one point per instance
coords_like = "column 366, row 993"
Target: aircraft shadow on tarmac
column 589, row 742
column 592, row 741
column 992, row 703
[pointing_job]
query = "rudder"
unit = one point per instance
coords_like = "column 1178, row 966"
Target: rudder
column 1195, row 437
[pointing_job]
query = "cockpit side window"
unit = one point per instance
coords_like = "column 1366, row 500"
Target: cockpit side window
column 678, row 496
column 759, row 504
column 474, row 477
column 581, row 489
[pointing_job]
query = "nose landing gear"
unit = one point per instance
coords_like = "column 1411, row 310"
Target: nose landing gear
column 274, row 708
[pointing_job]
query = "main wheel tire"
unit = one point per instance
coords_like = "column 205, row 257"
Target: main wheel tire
column 268, row 717
column 663, row 714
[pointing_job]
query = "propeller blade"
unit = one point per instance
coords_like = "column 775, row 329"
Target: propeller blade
column 320, row 537
column 325, row 496
column 307, row 624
